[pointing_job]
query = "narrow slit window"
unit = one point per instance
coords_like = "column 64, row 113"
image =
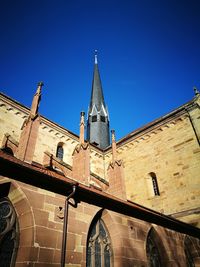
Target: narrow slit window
column 60, row 152
column 155, row 184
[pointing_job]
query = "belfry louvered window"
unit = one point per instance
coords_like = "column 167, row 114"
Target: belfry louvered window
column 99, row 252
column 103, row 118
column 94, row 118
column 9, row 233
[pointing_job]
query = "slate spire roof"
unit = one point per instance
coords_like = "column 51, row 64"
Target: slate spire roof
column 97, row 97
column 98, row 119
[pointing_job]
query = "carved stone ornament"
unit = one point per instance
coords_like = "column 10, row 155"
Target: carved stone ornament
column 8, row 233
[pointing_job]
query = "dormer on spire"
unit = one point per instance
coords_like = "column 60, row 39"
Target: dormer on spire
column 98, row 119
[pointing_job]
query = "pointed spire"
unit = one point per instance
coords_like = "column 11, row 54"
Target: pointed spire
column 36, row 100
column 97, row 97
column 82, row 128
column 98, row 119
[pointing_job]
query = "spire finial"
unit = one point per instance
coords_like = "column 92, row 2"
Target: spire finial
column 36, row 100
column 40, row 84
column 95, row 57
column 113, row 135
column 39, row 88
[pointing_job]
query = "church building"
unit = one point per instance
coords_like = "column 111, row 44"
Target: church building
column 90, row 200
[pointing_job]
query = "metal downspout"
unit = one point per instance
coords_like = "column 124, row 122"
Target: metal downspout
column 193, row 127
column 64, row 237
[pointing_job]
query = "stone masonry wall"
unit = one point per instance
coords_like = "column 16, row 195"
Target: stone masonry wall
column 40, row 216
column 172, row 152
column 12, row 117
column 169, row 149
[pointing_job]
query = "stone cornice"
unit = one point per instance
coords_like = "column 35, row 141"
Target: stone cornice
column 156, row 125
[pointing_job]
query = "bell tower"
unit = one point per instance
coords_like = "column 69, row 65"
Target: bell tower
column 98, row 118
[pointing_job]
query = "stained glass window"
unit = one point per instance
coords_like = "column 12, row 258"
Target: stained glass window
column 8, row 233
column 99, row 252
column 188, row 254
column 153, row 255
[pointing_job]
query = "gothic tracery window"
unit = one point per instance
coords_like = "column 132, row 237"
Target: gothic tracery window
column 153, row 254
column 99, row 252
column 8, row 233
column 188, row 254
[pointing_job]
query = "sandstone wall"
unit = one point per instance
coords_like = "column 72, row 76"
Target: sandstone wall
column 169, row 149
column 40, row 216
column 12, row 117
column 172, row 152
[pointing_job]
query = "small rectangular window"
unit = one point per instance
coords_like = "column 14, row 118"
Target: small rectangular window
column 103, row 119
column 94, row 118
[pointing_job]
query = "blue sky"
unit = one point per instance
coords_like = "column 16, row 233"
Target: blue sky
column 148, row 53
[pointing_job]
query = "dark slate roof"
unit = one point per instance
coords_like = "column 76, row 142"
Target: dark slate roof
column 97, row 97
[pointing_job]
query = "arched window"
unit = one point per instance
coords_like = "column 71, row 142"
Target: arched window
column 188, row 254
column 154, row 183
column 9, row 233
column 153, row 255
column 60, row 151
column 99, row 252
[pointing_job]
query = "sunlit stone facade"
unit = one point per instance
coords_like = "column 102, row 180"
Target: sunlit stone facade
column 156, row 166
